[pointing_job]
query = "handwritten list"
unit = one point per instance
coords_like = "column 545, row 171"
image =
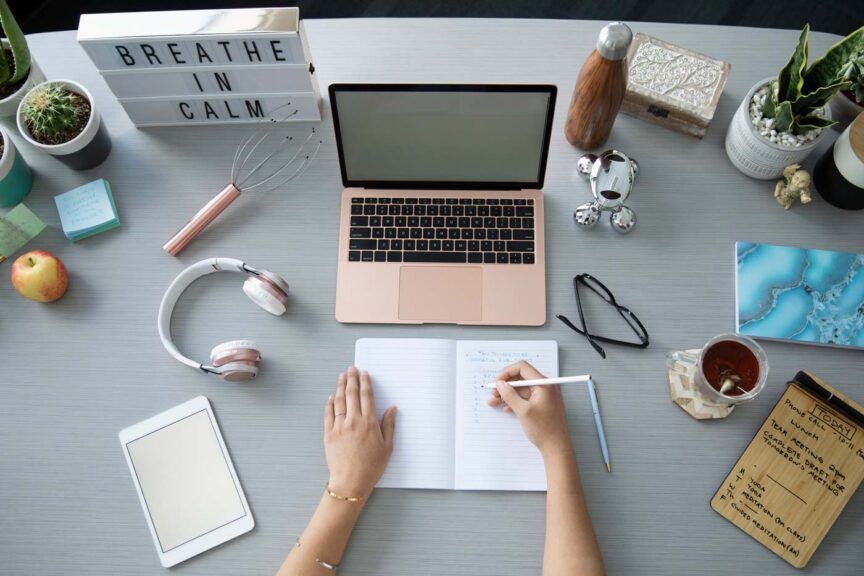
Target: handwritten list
column 492, row 451
column 797, row 474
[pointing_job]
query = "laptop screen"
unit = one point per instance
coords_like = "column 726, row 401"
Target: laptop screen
column 442, row 136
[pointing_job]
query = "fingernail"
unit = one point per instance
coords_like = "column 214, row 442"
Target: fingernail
column 341, row 375
column 330, row 398
column 352, row 370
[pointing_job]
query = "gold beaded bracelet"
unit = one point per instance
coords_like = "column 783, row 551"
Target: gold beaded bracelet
column 342, row 498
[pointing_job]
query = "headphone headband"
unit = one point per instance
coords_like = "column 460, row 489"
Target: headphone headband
column 176, row 289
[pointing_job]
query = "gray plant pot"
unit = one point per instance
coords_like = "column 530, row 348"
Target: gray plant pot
column 755, row 155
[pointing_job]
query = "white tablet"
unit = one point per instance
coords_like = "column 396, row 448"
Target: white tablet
column 186, row 482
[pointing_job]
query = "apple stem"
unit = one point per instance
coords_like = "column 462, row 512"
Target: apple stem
column 30, row 261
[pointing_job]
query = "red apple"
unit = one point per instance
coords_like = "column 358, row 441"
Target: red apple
column 40, row 276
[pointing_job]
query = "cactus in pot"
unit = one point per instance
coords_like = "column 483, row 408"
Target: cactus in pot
column 14, row 63
column 60, row 117
column 54, row 114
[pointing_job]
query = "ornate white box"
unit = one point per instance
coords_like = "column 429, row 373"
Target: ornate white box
column 671, row 86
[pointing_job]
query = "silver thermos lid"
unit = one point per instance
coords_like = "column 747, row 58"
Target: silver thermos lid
column 614, row 40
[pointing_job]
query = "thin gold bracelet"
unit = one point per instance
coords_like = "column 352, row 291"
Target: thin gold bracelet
column 319, row 562
column 342, row 498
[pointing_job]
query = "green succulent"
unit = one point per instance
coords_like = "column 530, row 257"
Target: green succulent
column 853, row 71
column 18, row 44
column 52, row 111
column 800, row 92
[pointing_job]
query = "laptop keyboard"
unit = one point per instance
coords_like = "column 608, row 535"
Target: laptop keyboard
column 446, row 230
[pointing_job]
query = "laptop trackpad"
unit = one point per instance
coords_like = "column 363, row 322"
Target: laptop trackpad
column 441, row 293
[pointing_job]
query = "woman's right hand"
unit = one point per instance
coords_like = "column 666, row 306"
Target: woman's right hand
column 540, row 409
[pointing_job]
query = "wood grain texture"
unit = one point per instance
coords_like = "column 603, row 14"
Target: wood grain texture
column 798, row 473
column 78, row 371
column 597, row 97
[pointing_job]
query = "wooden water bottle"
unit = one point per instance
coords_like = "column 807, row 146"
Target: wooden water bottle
column 599, row 89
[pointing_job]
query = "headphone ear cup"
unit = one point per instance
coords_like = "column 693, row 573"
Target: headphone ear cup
column 238, row 372
column 236, row 360
column 266, row 295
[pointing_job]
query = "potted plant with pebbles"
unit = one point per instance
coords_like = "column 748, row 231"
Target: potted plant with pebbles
column 60, row 118
column 781, row 120
column 846, row 106
column 15, row 176
column 18, row 71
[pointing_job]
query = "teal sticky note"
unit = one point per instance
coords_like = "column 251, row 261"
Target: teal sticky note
column 87, row 210
column 18, row 227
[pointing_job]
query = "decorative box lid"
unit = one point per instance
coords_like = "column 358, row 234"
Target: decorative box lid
column 675, row 78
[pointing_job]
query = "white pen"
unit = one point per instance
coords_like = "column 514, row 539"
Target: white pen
column 592, row 394
column 542, row 381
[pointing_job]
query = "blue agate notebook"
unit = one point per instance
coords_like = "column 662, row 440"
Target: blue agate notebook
column 799, row 295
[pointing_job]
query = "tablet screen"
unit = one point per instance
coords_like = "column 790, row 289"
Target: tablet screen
column 185, row 479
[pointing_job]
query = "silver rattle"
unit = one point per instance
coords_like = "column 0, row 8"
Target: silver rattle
column 611, row 176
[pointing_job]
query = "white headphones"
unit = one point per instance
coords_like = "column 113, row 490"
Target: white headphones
column 238, row 359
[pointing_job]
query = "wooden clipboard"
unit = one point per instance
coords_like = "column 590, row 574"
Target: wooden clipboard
column 799, row 471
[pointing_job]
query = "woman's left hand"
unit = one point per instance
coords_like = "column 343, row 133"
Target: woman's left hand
column 356, row 444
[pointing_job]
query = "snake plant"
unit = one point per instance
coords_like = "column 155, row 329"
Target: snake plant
column 11, row 75
column 853, row 71
column 798, row 94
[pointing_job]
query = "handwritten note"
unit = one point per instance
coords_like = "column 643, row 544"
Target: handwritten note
column 447, row 438
column 87, row 210
column 18, row 227
column 492, row 452
column 797, row 474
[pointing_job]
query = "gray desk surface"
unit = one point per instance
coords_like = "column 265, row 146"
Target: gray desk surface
column 76, row 372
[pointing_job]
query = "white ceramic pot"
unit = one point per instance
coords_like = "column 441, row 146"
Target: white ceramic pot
column 9, row 105
column 844, row 111
column 756, row 156
column 88, row 149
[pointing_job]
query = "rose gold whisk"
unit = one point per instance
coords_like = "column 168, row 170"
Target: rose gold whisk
column 265, row 176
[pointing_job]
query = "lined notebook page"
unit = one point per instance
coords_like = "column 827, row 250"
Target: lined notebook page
column 417, row 375
column 492, row 452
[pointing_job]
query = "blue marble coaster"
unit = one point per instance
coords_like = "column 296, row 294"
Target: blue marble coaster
column 799, row 295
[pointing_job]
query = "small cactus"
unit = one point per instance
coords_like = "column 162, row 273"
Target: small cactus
column 54, row 114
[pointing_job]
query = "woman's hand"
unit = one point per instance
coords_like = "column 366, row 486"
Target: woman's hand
column 540, row 409
column 356, row 444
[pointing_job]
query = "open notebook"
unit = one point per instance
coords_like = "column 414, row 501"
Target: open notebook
column 447, row 438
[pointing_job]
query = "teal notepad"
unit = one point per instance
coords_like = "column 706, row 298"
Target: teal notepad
column 87, row 210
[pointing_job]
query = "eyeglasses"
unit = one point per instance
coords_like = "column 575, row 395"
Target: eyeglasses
column 598, row 288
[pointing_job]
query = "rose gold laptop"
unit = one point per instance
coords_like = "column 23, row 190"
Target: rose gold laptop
column 442, row 214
